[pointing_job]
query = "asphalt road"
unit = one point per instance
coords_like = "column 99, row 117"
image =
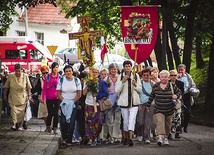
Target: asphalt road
column 198, row 141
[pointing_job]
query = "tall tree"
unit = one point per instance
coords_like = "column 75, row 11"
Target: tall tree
column 189, row 33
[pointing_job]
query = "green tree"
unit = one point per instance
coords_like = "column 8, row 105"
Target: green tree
column 7, row 10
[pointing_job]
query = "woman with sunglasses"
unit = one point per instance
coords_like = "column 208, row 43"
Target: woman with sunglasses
column 178, row 111
column 42, row 110
column 49, row 95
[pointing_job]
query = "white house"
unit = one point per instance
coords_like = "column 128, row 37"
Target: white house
column 45, row 24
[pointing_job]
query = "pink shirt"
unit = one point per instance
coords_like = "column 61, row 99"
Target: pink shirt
column 49, row 88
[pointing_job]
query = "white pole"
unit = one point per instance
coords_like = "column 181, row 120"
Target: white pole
column 26, row 22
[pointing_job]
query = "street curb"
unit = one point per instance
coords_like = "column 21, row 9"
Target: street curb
column 53, row 146
column 202, row 122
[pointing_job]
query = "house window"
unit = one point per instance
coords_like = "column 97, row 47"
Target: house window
column 20, row 33
column 40, row 37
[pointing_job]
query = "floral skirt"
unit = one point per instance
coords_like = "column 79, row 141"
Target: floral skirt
column 93, row 122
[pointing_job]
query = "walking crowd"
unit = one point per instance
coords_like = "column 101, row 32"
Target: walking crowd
column 148, row 104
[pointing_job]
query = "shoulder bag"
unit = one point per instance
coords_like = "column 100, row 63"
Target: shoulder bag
column 105, row 103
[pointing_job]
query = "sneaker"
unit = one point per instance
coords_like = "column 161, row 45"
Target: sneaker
column 110, row 142
column 160, row 141
column 116, row 141
column 139, row 138
column 13, row 128
column 166, row 142
column 25, row 125
column 130, row 142
column 48, row 129
column 125, row 142
column 93, row 144
column 177, row 135
column 20, row 129
column 89, row 142
column 147, row 141
column 75, row 141
column 68, row 143
column 99, row 142
column 170, row 136
column 55, row 130
column 63, row 141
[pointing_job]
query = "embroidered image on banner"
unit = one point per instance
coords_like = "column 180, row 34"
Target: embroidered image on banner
column 139, row 27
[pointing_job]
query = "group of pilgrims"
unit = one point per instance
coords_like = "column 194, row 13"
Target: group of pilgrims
column 144, row 103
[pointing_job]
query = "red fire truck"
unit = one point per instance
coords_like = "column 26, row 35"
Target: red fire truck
column 22, row 50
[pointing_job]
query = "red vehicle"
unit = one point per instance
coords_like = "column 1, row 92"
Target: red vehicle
column 24, row 51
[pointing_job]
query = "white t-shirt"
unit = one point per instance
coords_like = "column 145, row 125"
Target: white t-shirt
column 89, row 98
column 69, row 87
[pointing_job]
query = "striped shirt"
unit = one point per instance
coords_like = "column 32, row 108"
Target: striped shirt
column 163, row 99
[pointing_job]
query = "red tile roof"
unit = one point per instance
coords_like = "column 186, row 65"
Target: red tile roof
column 45, row 14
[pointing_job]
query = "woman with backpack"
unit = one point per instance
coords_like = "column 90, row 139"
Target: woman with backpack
column 49, row 95
column 69, row 91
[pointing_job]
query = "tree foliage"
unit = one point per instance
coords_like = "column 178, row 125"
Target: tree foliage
column 7, row 10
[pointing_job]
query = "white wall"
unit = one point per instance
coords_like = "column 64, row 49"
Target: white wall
column 52, row 35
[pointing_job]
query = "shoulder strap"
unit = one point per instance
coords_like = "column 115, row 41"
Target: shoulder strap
column 61, row 79
column 48, row 77
column 76, row 81
column 144, row 90
column 121, row 78
column 171, row 88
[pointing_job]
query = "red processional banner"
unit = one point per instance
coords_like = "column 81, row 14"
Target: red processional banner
column 139, row 30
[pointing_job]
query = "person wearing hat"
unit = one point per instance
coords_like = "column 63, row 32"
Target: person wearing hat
column 187, row 98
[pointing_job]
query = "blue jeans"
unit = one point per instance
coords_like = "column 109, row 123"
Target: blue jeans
column 67, row 129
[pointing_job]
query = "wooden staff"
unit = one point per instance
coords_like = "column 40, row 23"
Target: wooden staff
column 135, row 59
column 95, row 105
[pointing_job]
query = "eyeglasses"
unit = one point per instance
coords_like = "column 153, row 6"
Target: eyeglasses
column 44, row 72
column 173, row 75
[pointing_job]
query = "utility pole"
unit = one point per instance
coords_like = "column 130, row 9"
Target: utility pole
column 26, row 22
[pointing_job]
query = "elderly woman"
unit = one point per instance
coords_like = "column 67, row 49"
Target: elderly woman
column 19, row 93
column 69, row 91
column 113, row 117
column 94, row 120
column 128, row 86
column 164, row 106
column 49, row 96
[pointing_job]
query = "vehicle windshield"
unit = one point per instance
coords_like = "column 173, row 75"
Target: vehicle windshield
column 36, row 55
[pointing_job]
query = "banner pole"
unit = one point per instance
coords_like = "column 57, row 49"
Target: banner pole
column 135, row 59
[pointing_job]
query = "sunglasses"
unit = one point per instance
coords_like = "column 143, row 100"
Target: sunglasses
column 173, row 75
column 44, row 72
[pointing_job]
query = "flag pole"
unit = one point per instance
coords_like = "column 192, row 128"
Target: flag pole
column 135, row 59
column 107, row 58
